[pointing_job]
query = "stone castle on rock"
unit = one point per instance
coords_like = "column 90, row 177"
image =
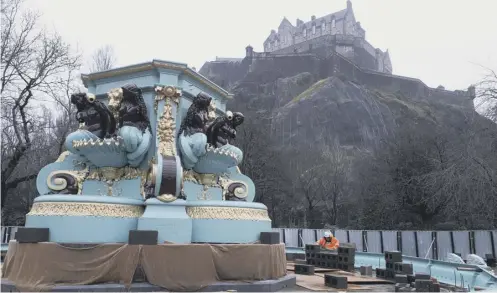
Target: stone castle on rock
column 332, row 45
column 339, row 32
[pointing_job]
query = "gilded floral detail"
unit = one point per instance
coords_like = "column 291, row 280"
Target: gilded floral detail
column 167, row 124
column 228, row 213
column 85, row 209
column 110, row 175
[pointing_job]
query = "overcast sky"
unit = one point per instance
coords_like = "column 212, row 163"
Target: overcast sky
column 442, row 42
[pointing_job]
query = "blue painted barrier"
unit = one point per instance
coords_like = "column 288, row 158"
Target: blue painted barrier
column 461, row 275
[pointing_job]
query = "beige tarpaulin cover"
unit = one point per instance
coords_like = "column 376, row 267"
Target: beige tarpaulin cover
column 39, row 267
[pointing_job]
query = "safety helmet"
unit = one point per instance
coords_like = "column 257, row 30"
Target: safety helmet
column 328, row 234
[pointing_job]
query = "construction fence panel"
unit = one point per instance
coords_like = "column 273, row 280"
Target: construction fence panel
column 341, row 235
column 389, row 240
column 461, row 243
column 483, row 243
column 373, row 241
column 408, row 243
column 308, row 236
column 444, row 244
column 425, row 244
column 8, row 233
column 4, row 234
column 356, row 237
column 291, row 237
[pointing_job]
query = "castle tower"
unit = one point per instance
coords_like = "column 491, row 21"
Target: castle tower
column 349, row 5
column 249, row 51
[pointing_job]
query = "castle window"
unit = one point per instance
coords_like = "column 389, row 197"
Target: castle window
column 313, row 29
column 333, row 24
column 324, row 26
column 305, row 32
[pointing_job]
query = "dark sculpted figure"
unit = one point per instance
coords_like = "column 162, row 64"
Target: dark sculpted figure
column 94, row 114
column 196, row 116
column 223, row 129
column 133, row 111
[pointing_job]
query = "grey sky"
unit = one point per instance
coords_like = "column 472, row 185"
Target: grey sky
column 442, row 42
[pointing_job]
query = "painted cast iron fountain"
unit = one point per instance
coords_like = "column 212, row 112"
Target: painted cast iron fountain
column 153, row 153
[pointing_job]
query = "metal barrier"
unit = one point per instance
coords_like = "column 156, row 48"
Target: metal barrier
column 423, row 244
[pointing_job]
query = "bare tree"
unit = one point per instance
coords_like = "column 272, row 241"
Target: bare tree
column 486, row 94
column 33, row 65
column 103, row 58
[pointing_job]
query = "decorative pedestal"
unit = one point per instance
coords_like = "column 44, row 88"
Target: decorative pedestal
column 169, row 219
column 227, row 221
column 85, row 219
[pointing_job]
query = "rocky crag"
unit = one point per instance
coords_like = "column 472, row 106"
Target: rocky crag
column 410, row 149
column 310, row 99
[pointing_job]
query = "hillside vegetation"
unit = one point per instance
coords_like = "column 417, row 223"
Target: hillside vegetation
column 332, row 152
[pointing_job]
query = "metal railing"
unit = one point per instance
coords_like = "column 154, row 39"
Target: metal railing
column 423, row 244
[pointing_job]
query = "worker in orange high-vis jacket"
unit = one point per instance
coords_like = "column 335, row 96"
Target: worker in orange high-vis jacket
column 328, row 241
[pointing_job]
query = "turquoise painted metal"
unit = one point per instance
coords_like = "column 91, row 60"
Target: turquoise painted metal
column 233, row 231
column 147, row 178
column 461, row 275
column 81, row 228
column 170, row 220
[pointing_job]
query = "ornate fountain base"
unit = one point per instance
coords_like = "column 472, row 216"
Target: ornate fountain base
column 227, row 221
column 85, row 219
column 169, row 219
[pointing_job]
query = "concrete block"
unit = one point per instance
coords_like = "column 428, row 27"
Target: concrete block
column 346, row 251
column 366, row 270
column 403, row 268
column 338, row 282
column 423, row 285
column 421, row 276
column 143, row 237
column 312, row 247
column 380, row 273
column 345, row 259
column 348, row 245
column 410, row 278
column 389, row 274
column 304, row 269
column 401, row 279
column 270, row 238
column 300, row 262
column 393, row 256
column 346, row 267
column 32, row 235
